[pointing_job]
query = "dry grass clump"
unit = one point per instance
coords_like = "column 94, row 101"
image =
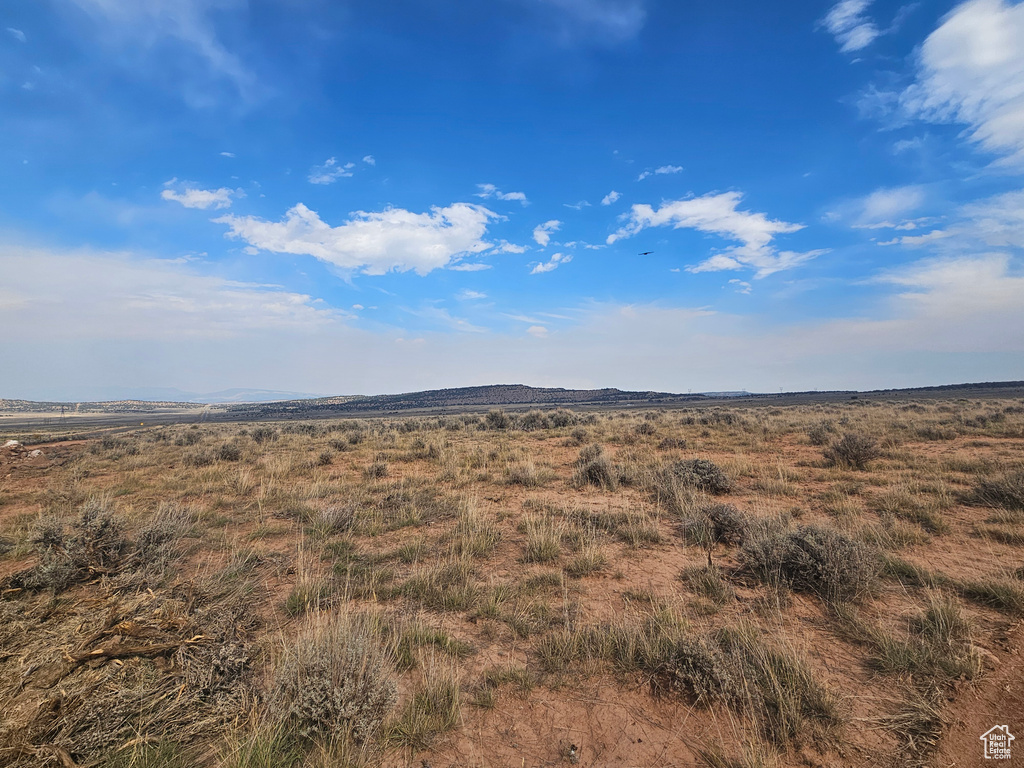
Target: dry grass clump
column 335, row 679
column 917, row 724
column 1001, row 594
column 331, row 519
column 526, row 474
column 544, row 534
column 938, row 645
column 709, row 582
column 812, row 558
column 909, row 503
column 434, row 709
column 779, row 688
column 735, row 667
column 852, row 451
column 445, row 586
column 589, row 556
column 408, row 637
column 593, row 467
column 1006, row 491
column 475, row 535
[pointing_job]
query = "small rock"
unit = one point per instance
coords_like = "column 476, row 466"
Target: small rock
column 12, row 444
column 35, row 453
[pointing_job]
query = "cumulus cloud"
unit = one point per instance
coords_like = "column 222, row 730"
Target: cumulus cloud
column 538, row 331
column 329, row 172
column 469, row 267
column 556, row 260
column 227, row 154
column 610, row 198
column 373, row 242
column 851, row 27
column 489, row 190
column 17, row 34
column 193, row 197
column 579, row 206
column 542, row 232
column 971, row 71
column 716, row 213
column 370, row 160
column 468, row 295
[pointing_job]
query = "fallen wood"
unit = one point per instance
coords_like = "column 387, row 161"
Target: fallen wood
column 128, row 651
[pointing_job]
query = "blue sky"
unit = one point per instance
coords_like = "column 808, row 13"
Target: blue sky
column 342, row 197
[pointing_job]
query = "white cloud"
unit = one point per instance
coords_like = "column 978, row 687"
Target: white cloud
column 994, row 222
column 742, row 286
column 885, row 208
column 891, row 203
column 610, row 198
column 374, row 242
column 514, row 197
column 577, row 206
column 17, row 34
column 504, row 246
column 489, row 190
column 556, row 260
column 971, row 71
column 192, row 197
column 717, row 214
column 95, row 295
column 143, row 24
column 227, row 154
column 329, row 172
column 470, row 267
column 662, row 171
column 537, row 331
column 542, row 232
column 370, row 160
column 468, row 295
column 852, row 28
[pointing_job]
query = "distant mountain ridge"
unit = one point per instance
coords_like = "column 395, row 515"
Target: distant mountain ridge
column 467, row 397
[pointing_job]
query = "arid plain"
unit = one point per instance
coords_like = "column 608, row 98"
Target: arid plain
column 830, row 584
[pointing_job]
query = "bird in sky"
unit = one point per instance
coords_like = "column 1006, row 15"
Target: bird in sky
column 645, row 253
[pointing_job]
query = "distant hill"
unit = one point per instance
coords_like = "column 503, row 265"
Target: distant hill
column 464, row 397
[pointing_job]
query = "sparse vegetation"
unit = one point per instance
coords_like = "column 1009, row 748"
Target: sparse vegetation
column 386, row 590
